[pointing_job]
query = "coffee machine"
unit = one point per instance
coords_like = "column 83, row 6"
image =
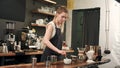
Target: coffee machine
column 9, row 35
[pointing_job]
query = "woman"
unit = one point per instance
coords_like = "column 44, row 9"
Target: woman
column 52, row 38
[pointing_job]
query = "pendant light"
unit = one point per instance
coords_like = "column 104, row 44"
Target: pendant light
column 118, row 1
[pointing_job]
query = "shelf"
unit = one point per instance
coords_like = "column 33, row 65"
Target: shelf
column 39, row 25
column 47, row 1
column 50, row 1
column 41, row 12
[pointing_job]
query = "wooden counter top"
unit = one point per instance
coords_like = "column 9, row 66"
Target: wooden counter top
column 42, row 65
column 7, row 54
column 58, row 64
column 28, row 53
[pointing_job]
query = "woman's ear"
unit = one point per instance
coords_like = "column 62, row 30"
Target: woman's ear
column 56, row 15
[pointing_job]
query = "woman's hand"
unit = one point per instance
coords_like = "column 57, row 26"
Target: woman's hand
column 62, row 52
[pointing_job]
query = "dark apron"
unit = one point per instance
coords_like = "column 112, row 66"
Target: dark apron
column 57, row 42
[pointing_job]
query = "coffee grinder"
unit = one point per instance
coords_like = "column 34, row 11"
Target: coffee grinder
column 10, row 36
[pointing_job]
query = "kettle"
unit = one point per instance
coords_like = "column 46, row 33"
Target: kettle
column 5, row 48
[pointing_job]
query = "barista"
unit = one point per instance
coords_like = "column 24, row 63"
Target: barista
column 53, row 37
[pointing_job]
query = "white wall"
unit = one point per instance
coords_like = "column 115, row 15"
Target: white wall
column 69, row 29
column 114, row 30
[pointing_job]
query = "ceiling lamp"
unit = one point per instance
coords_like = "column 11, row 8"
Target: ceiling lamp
column 51, row 1
column 118, row 1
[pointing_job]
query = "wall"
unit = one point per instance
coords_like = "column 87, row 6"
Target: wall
column 115, row 30
column 18, row 25
column 114, row 33
column 29, row 17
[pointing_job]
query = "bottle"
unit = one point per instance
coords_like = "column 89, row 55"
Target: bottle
column 99, row 56
column 99, row 51
column 19, row 46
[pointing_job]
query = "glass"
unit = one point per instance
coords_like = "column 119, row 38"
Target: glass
column 34, row 61
column 81, row 54
column 74, row 58
column 48, row 62
column 53, row 58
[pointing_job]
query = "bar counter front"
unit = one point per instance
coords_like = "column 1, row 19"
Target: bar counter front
column 11, row 58
column 58, row 64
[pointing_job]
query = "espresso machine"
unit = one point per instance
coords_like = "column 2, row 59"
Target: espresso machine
column 27, row 37
column 32, row 39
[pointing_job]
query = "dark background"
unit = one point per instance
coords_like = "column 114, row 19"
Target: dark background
column 20, row 12
column 13, row 9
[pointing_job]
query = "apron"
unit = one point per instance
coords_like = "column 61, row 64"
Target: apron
column 57, row 42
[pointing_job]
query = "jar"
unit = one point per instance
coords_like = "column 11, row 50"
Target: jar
column 74, row 58
column 53, row 58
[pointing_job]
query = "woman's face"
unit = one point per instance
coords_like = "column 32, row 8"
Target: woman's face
column 61, row 18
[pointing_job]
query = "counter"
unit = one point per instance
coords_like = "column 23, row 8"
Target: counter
column 21, row 57
column 58, row 64
column 28, row 53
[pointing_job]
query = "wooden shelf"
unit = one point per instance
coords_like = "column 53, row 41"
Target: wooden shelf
column 41, row 12
column 47, row 1
column 39, row 25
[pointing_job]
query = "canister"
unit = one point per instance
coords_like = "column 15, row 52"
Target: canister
column 53, row 58
column 34, row 61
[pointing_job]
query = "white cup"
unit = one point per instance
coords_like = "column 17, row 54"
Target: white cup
column 67, row 61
